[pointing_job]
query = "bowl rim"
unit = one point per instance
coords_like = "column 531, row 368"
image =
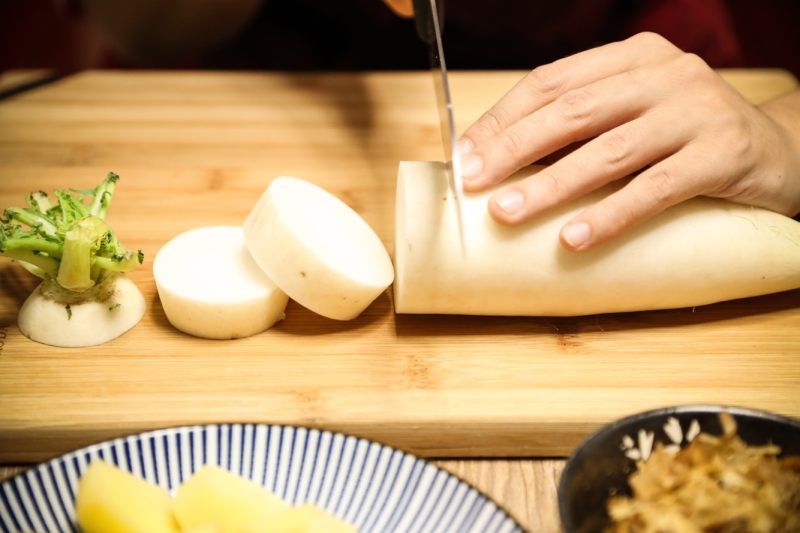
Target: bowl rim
column 210, row 426
column 566, row 521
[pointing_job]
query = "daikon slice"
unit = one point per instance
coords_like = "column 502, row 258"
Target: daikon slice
column 317, row 249
column 210, row 286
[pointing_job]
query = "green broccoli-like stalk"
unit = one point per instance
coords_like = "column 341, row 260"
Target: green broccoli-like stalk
column 102, row 196
column 67, row 243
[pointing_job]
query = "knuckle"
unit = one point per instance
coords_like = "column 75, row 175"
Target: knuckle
column 511, row 142
column 615, row 148
column 651, row 41
column 575, row 106
column 662, row 187
column 545, row 79
column 490, row 123
column 554, row 186
column 693, row 66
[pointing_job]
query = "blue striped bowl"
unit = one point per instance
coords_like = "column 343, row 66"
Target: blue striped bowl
column 373, row 486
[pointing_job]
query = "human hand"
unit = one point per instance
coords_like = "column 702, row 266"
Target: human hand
column 642, row 105
column 404, row 8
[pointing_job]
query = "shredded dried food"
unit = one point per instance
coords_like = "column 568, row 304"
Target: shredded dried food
column 716, row 484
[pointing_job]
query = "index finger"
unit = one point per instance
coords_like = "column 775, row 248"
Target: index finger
column 544, row 84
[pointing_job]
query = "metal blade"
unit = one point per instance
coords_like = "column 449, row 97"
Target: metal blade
column 429, row 14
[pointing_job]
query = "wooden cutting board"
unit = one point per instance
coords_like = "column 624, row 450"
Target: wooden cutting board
column 198, row 149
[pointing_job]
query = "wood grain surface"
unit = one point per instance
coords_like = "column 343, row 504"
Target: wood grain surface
column 14, row 79
column 196, row 149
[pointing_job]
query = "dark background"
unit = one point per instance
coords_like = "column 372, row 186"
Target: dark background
column 332, row 35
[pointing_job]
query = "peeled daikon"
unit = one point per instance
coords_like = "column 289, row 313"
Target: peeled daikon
column 317, row 249
column 210, row 287
column 698, row 252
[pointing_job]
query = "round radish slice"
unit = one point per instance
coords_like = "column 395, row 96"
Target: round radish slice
column 317, row 249
column 210, row 286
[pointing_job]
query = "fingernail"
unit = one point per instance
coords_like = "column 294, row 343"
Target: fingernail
column 577, row 234
column 464, row 146
column 510, row 201
column 471, row 166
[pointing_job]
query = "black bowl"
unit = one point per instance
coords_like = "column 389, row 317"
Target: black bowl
column 599, row 468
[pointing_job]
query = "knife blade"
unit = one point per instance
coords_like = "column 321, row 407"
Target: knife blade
column 428, row 17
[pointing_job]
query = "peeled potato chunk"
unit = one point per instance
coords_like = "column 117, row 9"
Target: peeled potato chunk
column 698, row 252
column 214, row 496
column 317, row 249
column 110, row 500
column 213, row 500
column 210, row 287
column 208, row 528
column 317, row 520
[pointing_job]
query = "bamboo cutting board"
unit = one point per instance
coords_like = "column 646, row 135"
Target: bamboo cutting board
column 198, row 149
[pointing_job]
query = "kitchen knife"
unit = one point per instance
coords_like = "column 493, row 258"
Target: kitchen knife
column 428, row 16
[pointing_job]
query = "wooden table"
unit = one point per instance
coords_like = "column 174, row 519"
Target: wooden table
column 196, row 148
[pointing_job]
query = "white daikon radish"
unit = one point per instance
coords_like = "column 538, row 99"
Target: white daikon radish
column 210, row 287
column 88, row 323
column 317, row 249
column 699, row 252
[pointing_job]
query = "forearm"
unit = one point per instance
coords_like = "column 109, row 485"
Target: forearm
column 158, row 32
column 785, row 111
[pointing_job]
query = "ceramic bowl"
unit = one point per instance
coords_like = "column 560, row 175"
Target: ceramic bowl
column 599, row 467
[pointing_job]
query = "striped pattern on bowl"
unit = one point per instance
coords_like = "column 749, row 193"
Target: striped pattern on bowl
column 372, row 486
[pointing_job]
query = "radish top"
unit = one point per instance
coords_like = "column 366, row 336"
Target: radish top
column 67, row 242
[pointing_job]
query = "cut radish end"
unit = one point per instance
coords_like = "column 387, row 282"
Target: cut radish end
column 89, row 323
column 210, row 286
column 317, row 249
